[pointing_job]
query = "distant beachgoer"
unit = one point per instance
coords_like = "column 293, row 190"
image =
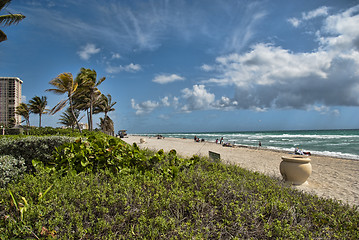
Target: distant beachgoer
column 260, row 144
column 298, row 151
column 217, row 140
column 195, row 138
column 221, row 140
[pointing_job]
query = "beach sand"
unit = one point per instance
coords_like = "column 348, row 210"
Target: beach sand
column 331, row 177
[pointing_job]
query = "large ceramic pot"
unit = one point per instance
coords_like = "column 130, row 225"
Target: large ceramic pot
column 295, row 169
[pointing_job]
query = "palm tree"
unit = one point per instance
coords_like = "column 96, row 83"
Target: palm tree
column 64, row 83
column 104, row 104
column 24, row 110
column 68, row 120
column 106, row 125
column 8, row 19
column 87, row 81
column 38, row 106
column 82, row 103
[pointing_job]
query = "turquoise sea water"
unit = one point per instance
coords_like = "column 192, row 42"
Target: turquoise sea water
column 335, row 143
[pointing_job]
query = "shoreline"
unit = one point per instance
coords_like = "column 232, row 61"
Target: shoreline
column 331, row 177
column 337, row 143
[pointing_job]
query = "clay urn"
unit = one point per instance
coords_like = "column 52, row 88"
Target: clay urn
column 295, row 169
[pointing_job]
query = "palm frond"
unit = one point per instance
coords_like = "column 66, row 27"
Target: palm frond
column 3, row 36
column 11, row 19
column 56, row 91
column 100, row 81
column 3, row 3
column 58, row 106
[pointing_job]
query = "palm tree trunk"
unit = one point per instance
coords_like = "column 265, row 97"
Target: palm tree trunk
column 73, row 114
column 88, row 117
column 91, row 110
column 39, row 120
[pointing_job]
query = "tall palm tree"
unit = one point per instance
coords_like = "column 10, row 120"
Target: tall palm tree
column 104, row 104
column 24, row 110
column 64, row 84
column 68, row 120
column 38, row 106
column 8, row 19
column 87, row 81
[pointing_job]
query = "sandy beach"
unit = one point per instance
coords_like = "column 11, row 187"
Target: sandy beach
column 331, row 177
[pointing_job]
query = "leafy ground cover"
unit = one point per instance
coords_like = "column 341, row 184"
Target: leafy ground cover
column 102, row 188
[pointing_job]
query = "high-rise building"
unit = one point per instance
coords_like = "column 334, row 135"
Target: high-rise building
column 10, row 98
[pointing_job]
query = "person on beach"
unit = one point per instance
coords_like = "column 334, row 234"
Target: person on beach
column 221, row 140
column 260, row 144
column 300, row 152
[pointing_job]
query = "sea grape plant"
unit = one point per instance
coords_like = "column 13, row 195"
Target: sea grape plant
column 100, row 152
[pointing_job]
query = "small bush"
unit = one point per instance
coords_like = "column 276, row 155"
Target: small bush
column 30, row 148
column 14, row 131
column 10, row 168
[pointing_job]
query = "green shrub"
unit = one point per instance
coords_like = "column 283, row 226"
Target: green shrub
column 100, row 151
column 14, row 131
column 10, row 168
column 45, row 131
column 30, row 148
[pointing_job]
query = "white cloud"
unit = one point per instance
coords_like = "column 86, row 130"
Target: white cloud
column 258, row 109
column 294, row 21
column 149, row 106
column 165, row 102
column 175, row 102
column 324, row 110
column 225, row 103
column 267, row 65
column 206, row 68
column 340, row 32
column 319, row 12
column 87, row 51
column 115, row 56
column 144, row 107
column 242, row 29
column 166, row 78
column 127, row 68
column 197, row 98
column 132, row 67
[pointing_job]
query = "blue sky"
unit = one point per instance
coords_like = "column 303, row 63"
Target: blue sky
column 196, row 65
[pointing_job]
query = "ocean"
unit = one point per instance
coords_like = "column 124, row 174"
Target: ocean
column 334, row 143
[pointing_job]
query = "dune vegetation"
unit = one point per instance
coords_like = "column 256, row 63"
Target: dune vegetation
column 93, row 186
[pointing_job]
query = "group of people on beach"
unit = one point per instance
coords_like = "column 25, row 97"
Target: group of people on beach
column 196, row 139
column 223, row 143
